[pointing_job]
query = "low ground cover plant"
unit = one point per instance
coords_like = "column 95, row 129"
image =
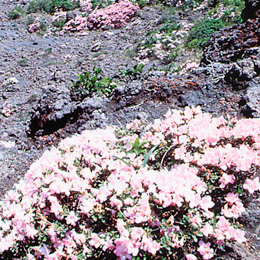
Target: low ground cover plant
column 90, row 83
column 16, row 12
column 132, row 73
column 202, row 31
column 50, row 6
column 174, row 188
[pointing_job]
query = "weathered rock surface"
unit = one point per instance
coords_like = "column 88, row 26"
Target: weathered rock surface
column 251, row 10
column 233, row 43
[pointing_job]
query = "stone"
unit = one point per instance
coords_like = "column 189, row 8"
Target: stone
column 251, row 9
column 252, row 107
column 10, row 81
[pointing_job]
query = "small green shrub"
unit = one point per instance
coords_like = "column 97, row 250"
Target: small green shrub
column 233, row 13
column 189, row 4
column 16, row 13
column 59, row 24
column 49, row 6
column 23, row 62
column 133, row 73
column 101, row 3
column 90, row 83
column 201, row 32
column 169, row 27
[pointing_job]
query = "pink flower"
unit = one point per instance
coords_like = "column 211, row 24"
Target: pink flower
column 232, row 197
column 252, row 185
column 72, row 219
column 59, row 186
column 239, row 236
column 56, row 207
column 205, row 250
column 137, row 233
column 116, row 202
column 223, row 223
column 206, row 203
column 124, row 248
column 121, row 228
column 96, row 241
column 226, row 179
column 190, row 257
column 207, row 229
column 149, row 245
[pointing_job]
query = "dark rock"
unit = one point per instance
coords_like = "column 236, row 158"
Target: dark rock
column 231, row 44
column 52, row 111
column 251, row 108
column 70, row 15
column 240, row 73
column 251, row 9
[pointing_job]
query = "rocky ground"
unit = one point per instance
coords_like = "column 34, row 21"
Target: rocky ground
column 36, row 70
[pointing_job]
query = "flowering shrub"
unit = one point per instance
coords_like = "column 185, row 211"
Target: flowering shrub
column 35, row 26
column 115, row 15
column 175, row 190
column 7, row 109
column 77, row 24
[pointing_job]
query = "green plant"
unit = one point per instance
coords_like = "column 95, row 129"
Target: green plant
column 175, row 53
column 133, row 73
column 189, row 4
column 101, row 3
column 90, row 83
column 23, row 62
column 232, row 14
column 201, row 32
column 32, row 98
column 16, row 13
column 49, row 6
column 169, row 27
column 59, row 23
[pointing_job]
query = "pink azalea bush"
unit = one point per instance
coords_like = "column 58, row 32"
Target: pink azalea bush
column 77, row 24
column 35, row 26
column 153, row 191
column 114, row 16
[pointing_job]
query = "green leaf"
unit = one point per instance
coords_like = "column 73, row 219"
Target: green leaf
column 128, row 164
column 149, row 154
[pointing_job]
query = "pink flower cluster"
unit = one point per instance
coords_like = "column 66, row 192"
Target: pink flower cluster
column 85, row 5
column 77, row 24
column 94, row 194
column 35, row 26
column 114, row 16
column 7, row 109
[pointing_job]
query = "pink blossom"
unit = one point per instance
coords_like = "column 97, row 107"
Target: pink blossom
column 121, row 228
column 124, row 247
column 137, row 233
column 190, row 257
column 72, row 218
column 206, row 203
column 205, row 250
column 96, row 241
column 116, row 202
column 232, row 197
column 56, row 207
column 226, row 179
column 207, row 229
column 149, row 245
column 252, row 185
column 35, row 26
column 223, row 223
column 59, row 186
